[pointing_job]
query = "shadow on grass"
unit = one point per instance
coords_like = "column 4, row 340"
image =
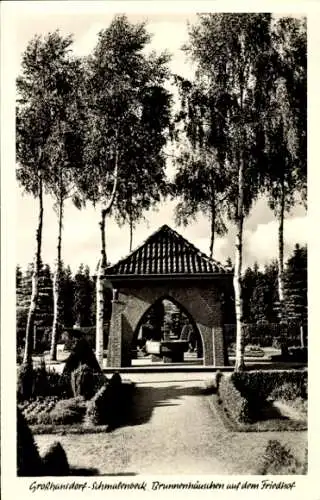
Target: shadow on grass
column 270, row 412
column 147, row 398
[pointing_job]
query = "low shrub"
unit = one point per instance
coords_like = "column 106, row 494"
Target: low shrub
column 41, row 385
column 97, row 408
column 279, row 460
column 260, row 385
column 55, row 462
column 245, row 393
column 292, row 354
column 107, row 404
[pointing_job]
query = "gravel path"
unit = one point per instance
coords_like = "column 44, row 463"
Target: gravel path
column 173, row 430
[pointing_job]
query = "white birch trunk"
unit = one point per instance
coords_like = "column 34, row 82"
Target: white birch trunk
column 57, row 288
column 131, row 235
column 100, row 296
column 237, row 280
column 213, row 226
column 27, row 357
column 100, row 293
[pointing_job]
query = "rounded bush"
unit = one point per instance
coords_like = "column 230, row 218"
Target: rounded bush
column 55, row 462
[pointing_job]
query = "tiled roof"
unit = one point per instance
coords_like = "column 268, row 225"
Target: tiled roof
column 166, row 252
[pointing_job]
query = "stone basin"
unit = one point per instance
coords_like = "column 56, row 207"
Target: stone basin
column 171, row 350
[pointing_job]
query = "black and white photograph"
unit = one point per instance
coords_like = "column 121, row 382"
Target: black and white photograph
column 160, row 248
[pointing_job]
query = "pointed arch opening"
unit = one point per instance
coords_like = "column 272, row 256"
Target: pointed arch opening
column 166, row 333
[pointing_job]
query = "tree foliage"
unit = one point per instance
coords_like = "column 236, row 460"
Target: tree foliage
column 44, row 90
column 232, row 56
column 296, row 286
column 286, row 128
column 83, row 288
column 44, row 310
column 128, row 111
column 200, row 183
column 126, row 128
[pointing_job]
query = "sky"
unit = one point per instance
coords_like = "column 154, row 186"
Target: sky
column 81, row 231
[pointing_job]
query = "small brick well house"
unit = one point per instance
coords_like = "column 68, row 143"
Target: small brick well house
column 167, row 266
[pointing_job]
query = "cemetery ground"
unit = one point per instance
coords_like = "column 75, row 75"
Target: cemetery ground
column 173, row 428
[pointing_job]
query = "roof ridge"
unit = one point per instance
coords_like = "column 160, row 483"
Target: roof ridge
column 166, row 229
column 198, row 251
column 142, row 244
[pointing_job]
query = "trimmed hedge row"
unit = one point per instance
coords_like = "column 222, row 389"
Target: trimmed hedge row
column 244, row 393
column 232, row 400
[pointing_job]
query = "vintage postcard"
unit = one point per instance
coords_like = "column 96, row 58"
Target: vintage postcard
column 158, row 182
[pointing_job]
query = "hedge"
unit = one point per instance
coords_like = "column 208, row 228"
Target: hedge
column 233, row 402
column 243, row 394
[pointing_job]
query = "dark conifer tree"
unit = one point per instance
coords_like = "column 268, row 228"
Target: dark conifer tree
column 296, row 286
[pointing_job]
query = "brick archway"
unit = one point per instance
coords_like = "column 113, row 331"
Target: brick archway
column 180, row 307
column 167, row 265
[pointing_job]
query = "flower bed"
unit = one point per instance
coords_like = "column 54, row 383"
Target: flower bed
column 52, row 411
column 107, row 408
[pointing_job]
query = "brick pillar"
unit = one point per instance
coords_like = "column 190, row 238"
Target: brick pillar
column 115, row 336
column 218, row 346
column 207, row 340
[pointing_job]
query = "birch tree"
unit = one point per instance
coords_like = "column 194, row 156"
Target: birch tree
column 286, row 124
column 201, row 179
column 120, row 145
column 66, row 147
column 232, row 53
column 145, row 155
column 36, row 116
